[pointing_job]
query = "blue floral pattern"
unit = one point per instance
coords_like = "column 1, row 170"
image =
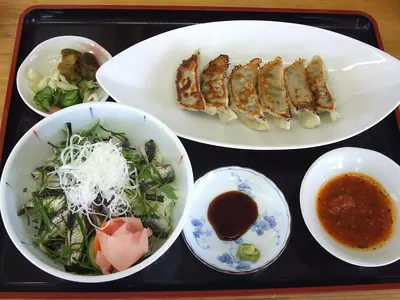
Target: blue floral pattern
column 232, row 261
column 243, row 266
column 238, row 241
column 199, row 232
column 265, row 223
column 243, row 185
column 226, row 258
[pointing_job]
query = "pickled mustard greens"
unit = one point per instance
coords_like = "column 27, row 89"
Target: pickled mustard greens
column 93, row 176
column 248, row 252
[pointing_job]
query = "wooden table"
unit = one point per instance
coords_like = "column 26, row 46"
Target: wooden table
column 385, row 12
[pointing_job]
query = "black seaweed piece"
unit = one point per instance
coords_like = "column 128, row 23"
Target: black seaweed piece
column 154, row 197
column 150, row 149
column 55, row 244
column 69, row 132
column 71, row 221
column 45, row 168
column 50, row 192
column 157, row 228
column 23, row 210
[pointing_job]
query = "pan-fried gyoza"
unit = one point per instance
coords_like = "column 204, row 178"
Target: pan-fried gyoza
column 272, row 92
column 316, row 81
column 251, row 91
column 213, row 87
column 301, row 98
column 243, row 95
column 188, row 86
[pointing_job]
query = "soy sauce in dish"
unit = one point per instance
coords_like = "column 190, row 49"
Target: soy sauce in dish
column 356, row 211
column 231, row 214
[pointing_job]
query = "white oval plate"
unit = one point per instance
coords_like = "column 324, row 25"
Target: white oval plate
column 343, row 160
column 364, row 80
column 270, row 233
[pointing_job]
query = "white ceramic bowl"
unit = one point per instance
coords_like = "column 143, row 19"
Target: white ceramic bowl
column 269, row 233
column 339, row 161
column 44, row 59
column 31, row 151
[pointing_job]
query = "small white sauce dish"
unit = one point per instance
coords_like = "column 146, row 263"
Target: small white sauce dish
column 269, row 233
column 343, row 160
column 44, row 59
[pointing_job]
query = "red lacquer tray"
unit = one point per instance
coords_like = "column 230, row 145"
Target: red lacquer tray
column 304, row 267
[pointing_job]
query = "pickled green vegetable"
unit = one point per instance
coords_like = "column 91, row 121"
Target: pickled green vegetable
column 72, row 82
column 57, row 94
column 69, row 98
column 43, row 99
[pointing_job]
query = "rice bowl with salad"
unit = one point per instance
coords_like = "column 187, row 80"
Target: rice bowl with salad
column 101, row 203
column 93, row 197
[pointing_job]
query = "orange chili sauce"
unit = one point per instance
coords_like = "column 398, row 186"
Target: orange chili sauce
column 356, row 211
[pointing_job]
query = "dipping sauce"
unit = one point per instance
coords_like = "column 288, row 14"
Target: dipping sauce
column 356, row 210
column 231, row 214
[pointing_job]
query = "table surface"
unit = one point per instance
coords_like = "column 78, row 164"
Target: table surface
column 385, row 12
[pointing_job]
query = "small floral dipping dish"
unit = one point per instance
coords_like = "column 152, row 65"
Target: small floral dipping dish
column 269, row 233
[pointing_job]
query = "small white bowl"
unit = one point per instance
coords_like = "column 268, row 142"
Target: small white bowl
column 269, row 233
column 32, row 150
column 342, row 160
column 44, row 59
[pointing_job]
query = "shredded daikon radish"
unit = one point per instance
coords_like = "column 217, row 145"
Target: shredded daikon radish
column 95, row 171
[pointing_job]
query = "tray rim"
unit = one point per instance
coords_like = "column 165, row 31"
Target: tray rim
column 179, row 294
column 197, row 294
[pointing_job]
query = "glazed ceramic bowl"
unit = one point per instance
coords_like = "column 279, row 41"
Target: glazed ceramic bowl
column 342, row 160
column 32, row 150
column 44, row 59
